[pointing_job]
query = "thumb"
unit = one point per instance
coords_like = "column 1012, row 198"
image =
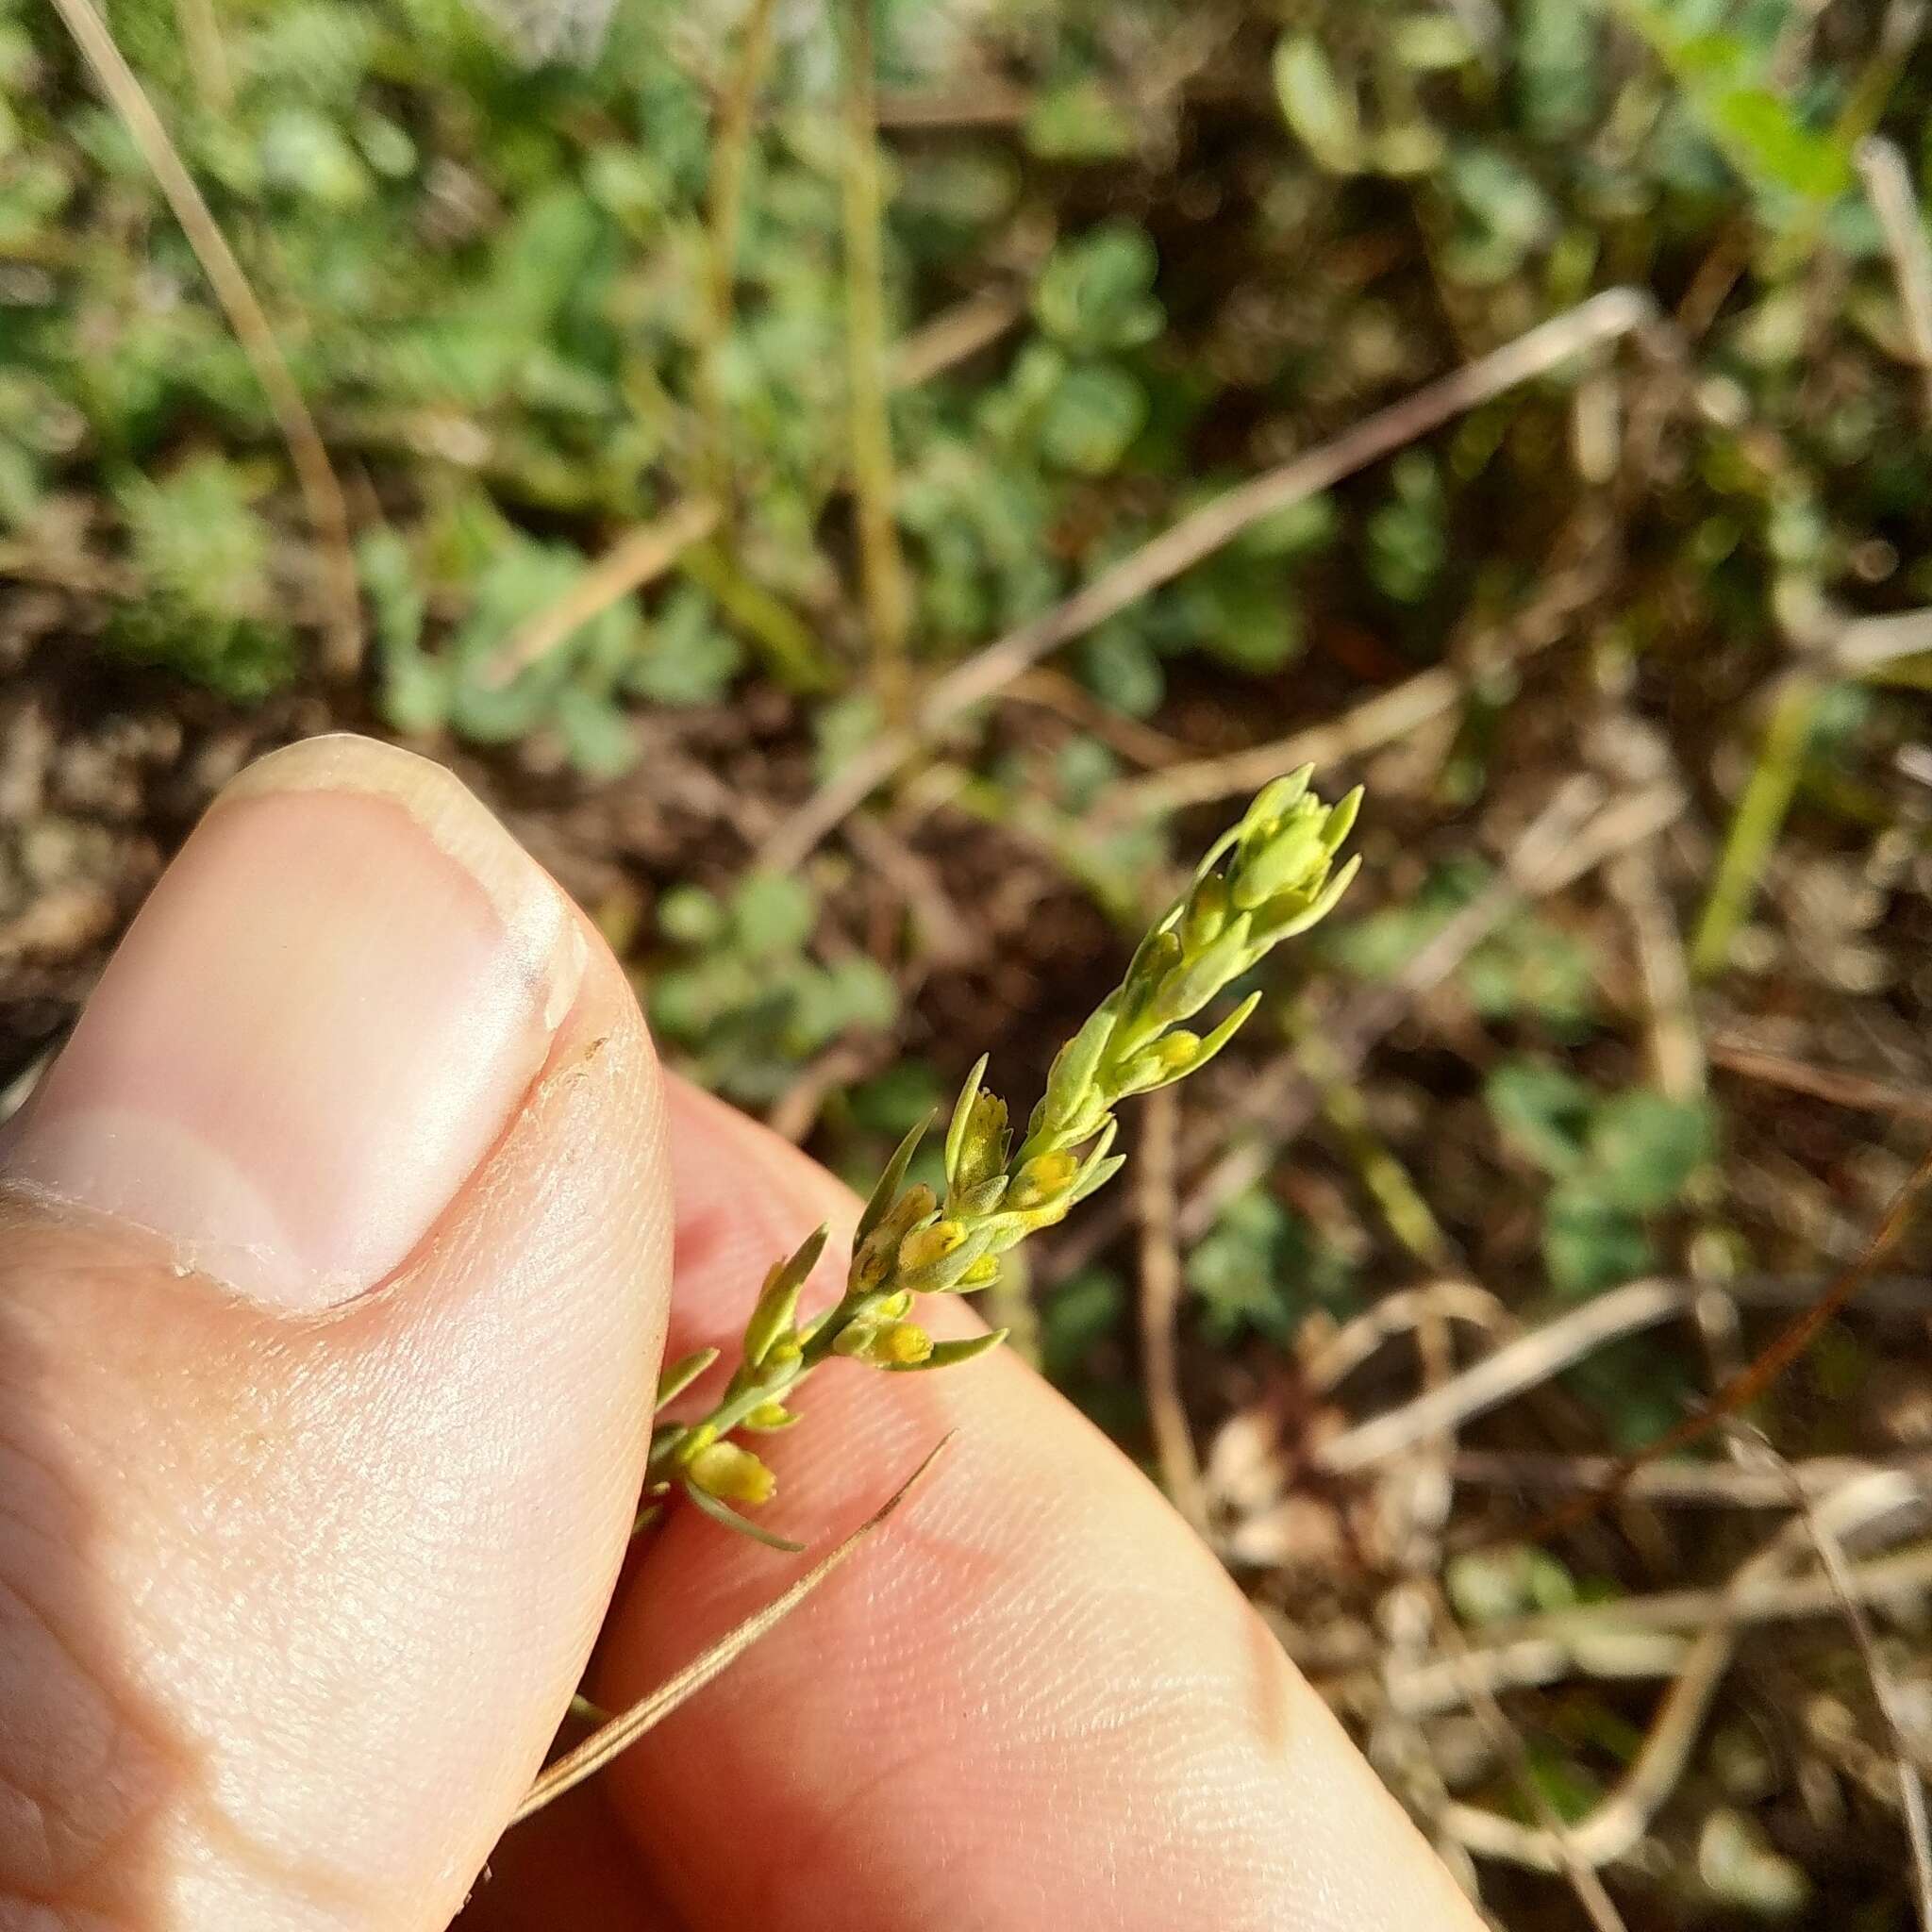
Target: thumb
column 333, row 1261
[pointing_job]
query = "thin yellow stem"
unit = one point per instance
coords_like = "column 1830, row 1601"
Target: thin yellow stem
column 730, row 155
column 208, row 54
column 882, row 569
column 1756, row 822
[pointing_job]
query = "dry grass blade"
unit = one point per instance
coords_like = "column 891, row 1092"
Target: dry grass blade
column 1575, row 584
column 1367, row 726
column 624, row 1730
column 321, row 492
column 1738, row 1390
column 1597, row 1905
column 1901, row 1579
column 1618, row 1825
column 1603, row 319
column 1821, row 1083
column 1682, row 1482
column 647, row 552
column 1534, row 1357
column 1888, row 182
column 1449, row 1300
column 950, row 338
column 1911, row 1786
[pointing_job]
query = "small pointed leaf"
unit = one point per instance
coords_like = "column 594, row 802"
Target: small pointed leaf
column 682, row 1373
column 949, row 1354
column 723, row 1513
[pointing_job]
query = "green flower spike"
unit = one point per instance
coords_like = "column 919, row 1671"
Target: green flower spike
column 1264, row 880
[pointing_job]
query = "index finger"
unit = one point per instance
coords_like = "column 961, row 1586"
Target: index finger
column 1037, row 1698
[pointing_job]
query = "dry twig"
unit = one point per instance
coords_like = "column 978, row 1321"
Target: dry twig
column 1544, row 1352
column 624, row 1730
column 1682, row 1482
column 1601, row 320
column 1480, row 1695
column 1822, row 1083
column 1616, row 1825
column 320, row 493
column 629, row 564
column 1911, row 1786
column 1889, row 183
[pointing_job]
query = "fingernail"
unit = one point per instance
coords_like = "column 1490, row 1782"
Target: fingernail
column 318, row 1025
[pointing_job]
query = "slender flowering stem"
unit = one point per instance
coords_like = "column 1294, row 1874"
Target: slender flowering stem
column 1265, row 880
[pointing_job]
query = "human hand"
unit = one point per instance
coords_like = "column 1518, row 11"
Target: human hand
column 334, row 1274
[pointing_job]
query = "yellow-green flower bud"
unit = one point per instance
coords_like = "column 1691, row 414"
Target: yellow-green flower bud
column 902, row 1344
column 873, row 1262
column 925, row 1245
column 770, row 1417
column 982, row 1273
column 1276, row 799
column 1070, row 1081
column 885, row 1344
column 1205, row 913
column 1045, row 1177
column 970, row 1204
column 1166, row 1059
column 733, row 1474
column 1293, row 856
column 854, row 1341
column 982, row 1143
column 1190, row 989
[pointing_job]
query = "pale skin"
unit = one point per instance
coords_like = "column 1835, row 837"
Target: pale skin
column 300, row 1562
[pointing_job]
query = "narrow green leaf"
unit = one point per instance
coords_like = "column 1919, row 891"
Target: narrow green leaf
column 723, row 1513
column 1094, row 1177
column 963, row 1115
column 682, row 1373
column 893, row 1178
column 1211, row 1045
column 949, row 1354
column 777, row 1307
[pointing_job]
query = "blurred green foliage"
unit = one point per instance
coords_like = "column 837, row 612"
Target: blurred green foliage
column 1528, row 968
column 1261, row 1269
column 491, row 278
column 1613, row 1161
column 738, row 985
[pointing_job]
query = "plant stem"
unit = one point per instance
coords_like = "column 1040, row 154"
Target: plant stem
column 730, row 154
column 208, row 55
column 882, row 569
column 791, row 652
column 322, row 494
column 1756, row 822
